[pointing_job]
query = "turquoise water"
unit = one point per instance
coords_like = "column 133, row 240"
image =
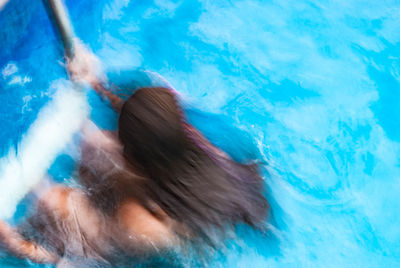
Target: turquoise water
column 310, row 87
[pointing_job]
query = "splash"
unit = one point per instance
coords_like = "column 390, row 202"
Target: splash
column 53, row 129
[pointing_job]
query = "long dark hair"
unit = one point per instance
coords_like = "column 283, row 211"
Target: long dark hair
column 192, row 181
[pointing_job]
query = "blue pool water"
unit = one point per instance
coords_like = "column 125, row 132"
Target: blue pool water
column 309, row 87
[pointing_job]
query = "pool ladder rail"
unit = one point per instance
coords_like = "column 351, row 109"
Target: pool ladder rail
column 58, row 13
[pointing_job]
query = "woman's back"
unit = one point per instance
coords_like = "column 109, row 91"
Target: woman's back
column 73, row 223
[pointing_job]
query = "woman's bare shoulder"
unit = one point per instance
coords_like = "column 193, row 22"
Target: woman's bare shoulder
column 141, row 227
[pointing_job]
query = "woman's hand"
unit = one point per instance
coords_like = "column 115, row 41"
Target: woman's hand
column 84, row 67
column 11, row 240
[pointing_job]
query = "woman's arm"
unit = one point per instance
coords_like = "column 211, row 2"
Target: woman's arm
column 115, row 101
column 22, row 248
column 85, row 67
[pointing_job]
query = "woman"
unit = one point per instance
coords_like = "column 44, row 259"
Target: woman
column 154, row 185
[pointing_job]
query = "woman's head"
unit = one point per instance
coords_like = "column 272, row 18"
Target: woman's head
column 187, row 176
column 150, row 127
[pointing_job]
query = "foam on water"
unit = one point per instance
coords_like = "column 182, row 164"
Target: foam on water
column 52, row 130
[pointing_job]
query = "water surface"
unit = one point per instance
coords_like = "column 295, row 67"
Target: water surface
column 311, row 88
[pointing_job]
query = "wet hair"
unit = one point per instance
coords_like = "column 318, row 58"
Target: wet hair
column 186, row 176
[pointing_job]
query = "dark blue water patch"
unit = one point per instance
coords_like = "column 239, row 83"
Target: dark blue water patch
column 23, row 208
column 101, row 112
column 25, row 27
column 62, row 168
column 15, row 19
column 386, row 109
column 355, row 132
column 369, row 160
column 330, row 157
column 365, row 232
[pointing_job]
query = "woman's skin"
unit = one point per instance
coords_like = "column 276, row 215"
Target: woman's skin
column 21, row 248
column 131, row 226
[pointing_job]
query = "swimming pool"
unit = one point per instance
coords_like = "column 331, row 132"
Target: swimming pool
column 310, row 88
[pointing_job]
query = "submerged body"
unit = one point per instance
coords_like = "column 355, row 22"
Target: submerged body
column 83, row 229
column 154, row 185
